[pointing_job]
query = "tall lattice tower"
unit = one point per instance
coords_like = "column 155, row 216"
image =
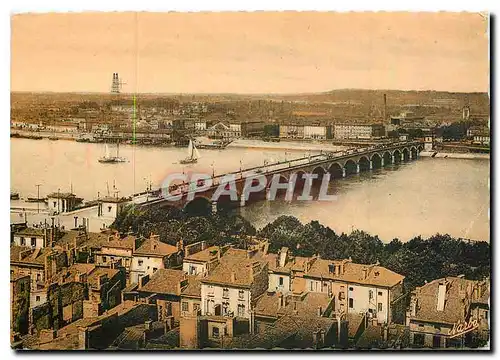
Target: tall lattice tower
column 115, row 84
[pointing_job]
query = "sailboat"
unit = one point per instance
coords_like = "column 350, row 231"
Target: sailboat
column 193, row 154
column 108, row 159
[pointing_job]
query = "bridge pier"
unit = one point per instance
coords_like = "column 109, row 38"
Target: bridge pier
column 242, row 200
column 214, row 207
column 371, row 164
column 343, row 172
column 392, row 159
column 357, row 168
column 382, row 162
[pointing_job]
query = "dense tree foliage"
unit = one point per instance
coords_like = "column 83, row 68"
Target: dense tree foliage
column 419, row 260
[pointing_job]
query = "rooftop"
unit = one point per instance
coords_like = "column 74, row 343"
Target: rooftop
column 31, row 232
column 204, row 255
column 235, row 271
column 356, row 273
column 165, row 281
column 60, row 195
column 306, row 305
column 455, row 304
column 153, row 246
column 27, row 255
column 193, row 288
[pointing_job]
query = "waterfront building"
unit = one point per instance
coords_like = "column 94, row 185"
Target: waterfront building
column 315, row 132
column 62, row 202
column 252, row 128
column 291, row 131
column 358, row 131
column 440, row 306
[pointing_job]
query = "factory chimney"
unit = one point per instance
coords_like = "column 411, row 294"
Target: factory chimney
column 385, row 108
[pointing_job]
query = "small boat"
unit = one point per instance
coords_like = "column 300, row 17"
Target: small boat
column 53, row 138
column 108, row 159
column 14, row 196
column 193, row 154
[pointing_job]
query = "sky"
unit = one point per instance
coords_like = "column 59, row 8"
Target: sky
column 242, row 52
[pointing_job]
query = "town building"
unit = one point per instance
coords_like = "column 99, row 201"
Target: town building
column 441, row 308
column 33, row 237
column 291, row 131
column 358, row 131
column 356, row 288
column 200, row 259
column 154, row 255
column 118, row 251
column 62, row 202
column 252, row 128
column 224, row 131
column 20, row 286
column 232, row 288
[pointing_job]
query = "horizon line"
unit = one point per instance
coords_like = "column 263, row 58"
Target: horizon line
column 326, row 92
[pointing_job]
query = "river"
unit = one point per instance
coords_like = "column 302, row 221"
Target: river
column 421, row 197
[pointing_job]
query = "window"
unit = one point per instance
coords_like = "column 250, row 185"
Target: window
column 380, row 293
column 196, row 308
column 140, row 262
column 225, row 293
column 109, row 208
column 215, row 332
column 23, row 241
column 148, row 267
column 351, row 289
column 33, row 241
column 54, row 203
column 351, row 303
column 241, row 310
column 311, row 286
column 241, row 294
column 104, row 259
column 379, row 306
column 370, row 294
column 37, row 298
column 185, row 306
column 38, row 277
column 281, row 281
column 154, row 269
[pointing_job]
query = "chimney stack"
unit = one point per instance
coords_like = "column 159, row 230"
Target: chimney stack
column 441, row 296
column 385, row 107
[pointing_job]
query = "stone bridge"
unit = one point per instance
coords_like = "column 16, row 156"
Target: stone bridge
column 196, row 196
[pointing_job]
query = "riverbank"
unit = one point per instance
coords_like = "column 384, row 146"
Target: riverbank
column 285, row 145
column 465, row 156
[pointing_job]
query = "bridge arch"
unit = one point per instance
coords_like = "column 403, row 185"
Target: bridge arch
column 376, row 160
column 414, row 152
column 387, row 157
column 420, row 148
column 336, row 171
column 397, row 156
column 199, row 206
column 364, row 163
column 350, row 167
